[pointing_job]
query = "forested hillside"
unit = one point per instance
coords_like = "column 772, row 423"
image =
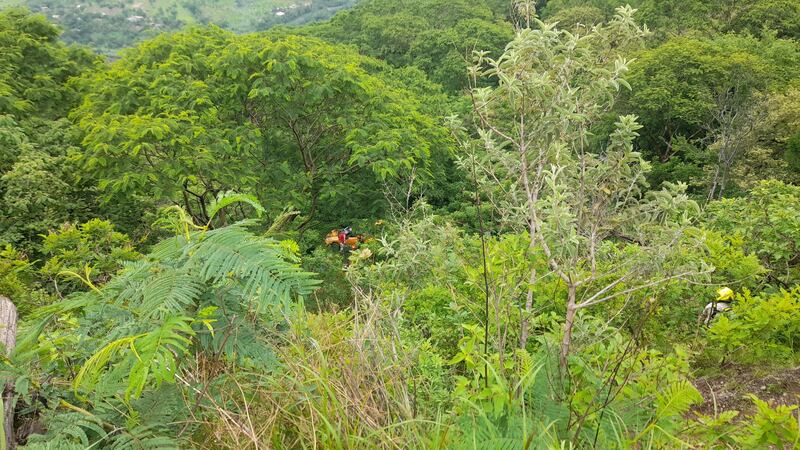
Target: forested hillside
column 563, row 224
column 108, row 26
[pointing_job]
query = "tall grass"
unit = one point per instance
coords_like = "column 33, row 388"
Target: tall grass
column 343, row 383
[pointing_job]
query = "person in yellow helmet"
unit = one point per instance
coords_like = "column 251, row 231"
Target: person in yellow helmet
column 721, row 304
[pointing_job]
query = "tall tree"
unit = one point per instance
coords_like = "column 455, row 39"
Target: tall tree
column 294, row 121
column 40, row 186
column 690, row 93
column 537, row 166
column 35, row 66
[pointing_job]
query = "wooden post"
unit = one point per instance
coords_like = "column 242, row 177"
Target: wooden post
column 8, row 337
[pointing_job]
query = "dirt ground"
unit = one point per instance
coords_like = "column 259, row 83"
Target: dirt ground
column 729, row 391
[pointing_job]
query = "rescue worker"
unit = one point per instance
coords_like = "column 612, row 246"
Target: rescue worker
column 344, row 233
column 721, row 304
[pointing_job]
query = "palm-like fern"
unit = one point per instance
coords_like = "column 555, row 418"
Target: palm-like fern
column 676, row 399
column 79, row 431
column 671, row 402
column 225, row 199
column 202, row 291
column 178, row 270
column 229, row 268
column 147, row 355
column 256, row 266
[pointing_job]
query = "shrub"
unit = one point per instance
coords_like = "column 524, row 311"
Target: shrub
column 93, row 249
column 760, row 329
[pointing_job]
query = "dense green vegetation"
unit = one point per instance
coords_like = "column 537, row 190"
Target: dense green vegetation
column 111, row 25
column 438, row 37
column 551, row 194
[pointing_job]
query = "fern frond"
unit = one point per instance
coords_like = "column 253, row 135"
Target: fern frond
column 70, row 430
column 280, row 223
column 676, row 399
column 500, row 443
column 610, row 429
column 125, row 289
column 142, row 438
column 71, row 303
column 257, row 264
column 150, row 290
column 53, row 444
column 82, row 430
column 181, row 222
column 172, row 249
column 230, row 197
column 156, row 353
column 243, row 341
column 85, row 278
column 94, row 367
column 178, row 286
column 160, row 407
column 528, row 370
column 27, row 347
column 169, row 293
column 149, row 357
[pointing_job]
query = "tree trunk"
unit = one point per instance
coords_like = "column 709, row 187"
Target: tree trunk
column 8, row 337
column 712, row 191
column 566, row 342
column 523, row 335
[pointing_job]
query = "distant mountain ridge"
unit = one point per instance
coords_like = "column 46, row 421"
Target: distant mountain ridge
column 110, row 25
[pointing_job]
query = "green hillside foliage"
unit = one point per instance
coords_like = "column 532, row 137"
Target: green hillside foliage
column 548, row 198
column 111, row 25
column 704, row 99
column 293, row 121
column 36, row 67
column 436, row 36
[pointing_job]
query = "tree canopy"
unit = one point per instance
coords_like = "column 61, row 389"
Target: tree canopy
column 436, row 36
column 293, row 120
column 36, row 66
column 534, row 224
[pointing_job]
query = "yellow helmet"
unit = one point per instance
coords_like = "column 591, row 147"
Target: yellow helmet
column 724, row 293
